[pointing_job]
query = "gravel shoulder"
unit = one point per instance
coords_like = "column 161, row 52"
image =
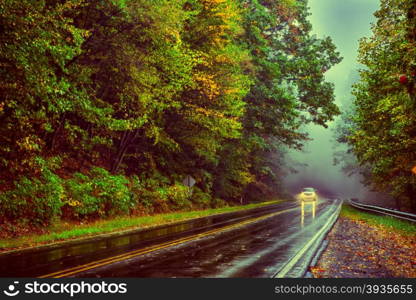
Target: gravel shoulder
column 357, row 249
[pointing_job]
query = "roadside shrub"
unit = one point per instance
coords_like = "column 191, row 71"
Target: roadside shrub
column 155, row 195
column 257, row 192
column 34, row 201
column 179, row 196
column 159, row 200
column 142, row 197
column 98, row 194
column 200, row 198
column 218, row 203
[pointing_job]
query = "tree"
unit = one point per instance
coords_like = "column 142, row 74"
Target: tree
column 384, row 120
column 139, row 65
column 210, row 110
column 37, row 86
column 287, row 68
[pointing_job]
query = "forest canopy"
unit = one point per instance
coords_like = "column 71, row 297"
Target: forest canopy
column 107, row 105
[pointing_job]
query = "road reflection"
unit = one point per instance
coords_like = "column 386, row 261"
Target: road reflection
column 303, row 209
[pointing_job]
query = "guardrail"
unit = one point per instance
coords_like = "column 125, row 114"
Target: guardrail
column 385, row 211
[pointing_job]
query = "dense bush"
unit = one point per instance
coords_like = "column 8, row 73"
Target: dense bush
column 200, row 198
column 178, row 196
column 143, row 202
column 156, row 195
column 99, row 194
column 34, row 201
column 218, row 202
column 148, row 195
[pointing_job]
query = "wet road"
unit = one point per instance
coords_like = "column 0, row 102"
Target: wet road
column 256, row 243
column 44, row 260
column 259, row 249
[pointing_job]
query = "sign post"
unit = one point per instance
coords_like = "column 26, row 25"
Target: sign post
column 189, row 181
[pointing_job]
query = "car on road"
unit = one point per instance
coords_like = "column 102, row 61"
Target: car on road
column 308, row 194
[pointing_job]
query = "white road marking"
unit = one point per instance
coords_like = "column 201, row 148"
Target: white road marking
column 289, row 265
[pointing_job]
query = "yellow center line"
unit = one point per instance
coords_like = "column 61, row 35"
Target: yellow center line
column 131, row 254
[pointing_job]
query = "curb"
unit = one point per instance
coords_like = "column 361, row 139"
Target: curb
column 316, row 257
column 320, row 249
column 322, row 245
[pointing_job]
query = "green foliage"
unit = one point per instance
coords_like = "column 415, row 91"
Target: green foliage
column 218, row 202
column 381, row 134
column 157, row 195
column 153, row 91
column 34, row 201
column 98, row 194
column 140, row 198
column 150, row 194
column 287, row 67
column 200, row 199
column 390, row 223
column 211, row 108
column 178, row 196
column 38, row 85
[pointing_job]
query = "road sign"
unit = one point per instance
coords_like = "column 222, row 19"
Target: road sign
column 189, row 181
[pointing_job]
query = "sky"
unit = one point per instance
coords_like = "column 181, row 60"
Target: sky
column 345, row 21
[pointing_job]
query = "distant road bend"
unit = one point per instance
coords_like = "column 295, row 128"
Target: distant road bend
column 274, row 241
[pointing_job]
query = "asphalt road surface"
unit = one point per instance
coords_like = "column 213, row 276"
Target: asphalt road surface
column 256, row 246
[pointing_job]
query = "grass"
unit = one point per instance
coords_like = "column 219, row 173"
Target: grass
column 62, row 231
column 387, row 222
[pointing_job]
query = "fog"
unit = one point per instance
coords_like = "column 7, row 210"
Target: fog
column 345, row 22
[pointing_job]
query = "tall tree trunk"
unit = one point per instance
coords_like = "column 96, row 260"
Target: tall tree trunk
column 57, row 132
column 126, row 140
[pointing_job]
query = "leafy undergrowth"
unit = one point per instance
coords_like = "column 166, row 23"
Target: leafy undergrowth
column 384, row 222
column 367, row 246
column 66, row 230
